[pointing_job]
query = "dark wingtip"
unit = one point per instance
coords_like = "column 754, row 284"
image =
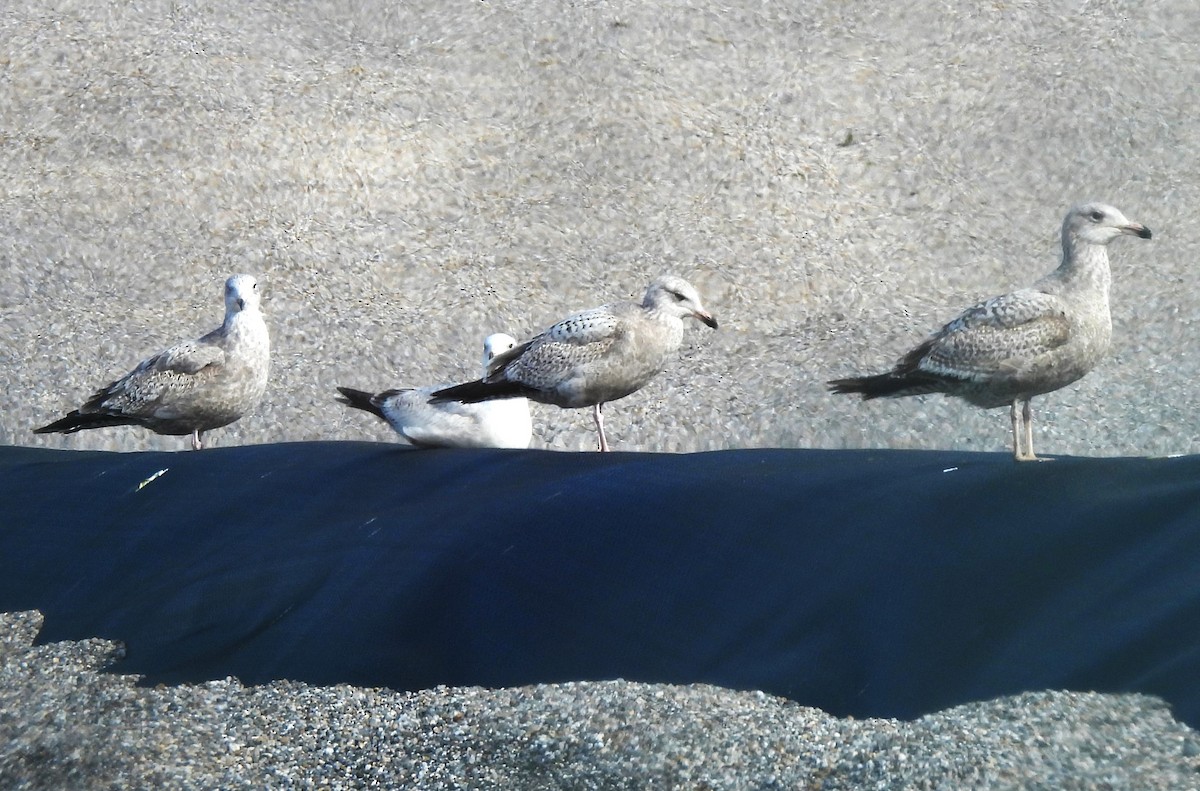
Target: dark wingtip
column 869, row 387
column 60, row 426
column 349, row 394
column 479, row 390
column 72, row 422
column 843, row 386
column 462, row 392
column 359, row 399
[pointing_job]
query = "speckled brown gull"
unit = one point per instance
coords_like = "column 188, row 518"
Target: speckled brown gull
column 1008, row 349
column 502, row 423
column 593, row 357
column 193, row 387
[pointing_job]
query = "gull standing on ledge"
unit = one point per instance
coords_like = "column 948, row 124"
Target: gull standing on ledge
column 1008, row 349
column 504, row 423
column 192, row 387
column 593, row 357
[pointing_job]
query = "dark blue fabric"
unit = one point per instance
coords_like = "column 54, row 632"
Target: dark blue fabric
column 872, row 583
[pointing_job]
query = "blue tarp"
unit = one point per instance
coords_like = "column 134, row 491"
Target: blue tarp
column 868, row 583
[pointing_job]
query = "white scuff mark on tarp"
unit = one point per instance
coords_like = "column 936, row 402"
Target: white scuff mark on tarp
column 153, row 477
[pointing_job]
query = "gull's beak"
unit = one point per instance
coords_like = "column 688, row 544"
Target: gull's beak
column 241, row 303
column 706, row 317
column 1136, row 229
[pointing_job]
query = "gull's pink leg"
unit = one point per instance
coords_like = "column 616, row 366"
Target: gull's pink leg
column 600, row 427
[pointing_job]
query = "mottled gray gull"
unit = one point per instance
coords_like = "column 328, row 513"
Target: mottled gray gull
column 502, row 423
column 1008, row 349
column 192, row 387
column 593, row 357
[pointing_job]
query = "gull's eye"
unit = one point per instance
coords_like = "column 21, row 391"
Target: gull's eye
column 1097, row 215
column 678, row 297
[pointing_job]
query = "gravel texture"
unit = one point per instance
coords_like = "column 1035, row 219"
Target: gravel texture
column 65, row 725
column 838, row 179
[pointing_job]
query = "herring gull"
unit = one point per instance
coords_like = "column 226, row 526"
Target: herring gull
column 593, row 357
column 502, row 423
column 192, row 387
column 1010, row 348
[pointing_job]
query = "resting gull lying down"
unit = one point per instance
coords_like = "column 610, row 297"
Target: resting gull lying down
column 593, row 357
column 503, row 423
column 193, row 387
column 1008, row 349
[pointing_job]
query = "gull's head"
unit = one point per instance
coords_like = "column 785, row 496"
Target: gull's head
column 1099, row 223
column 495, row 345
column 677, row 297
column 241, row 293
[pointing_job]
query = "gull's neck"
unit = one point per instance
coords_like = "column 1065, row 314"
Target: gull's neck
column 1084, row 265
column 667, row 334
column 247, row 322
column 657, row 313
